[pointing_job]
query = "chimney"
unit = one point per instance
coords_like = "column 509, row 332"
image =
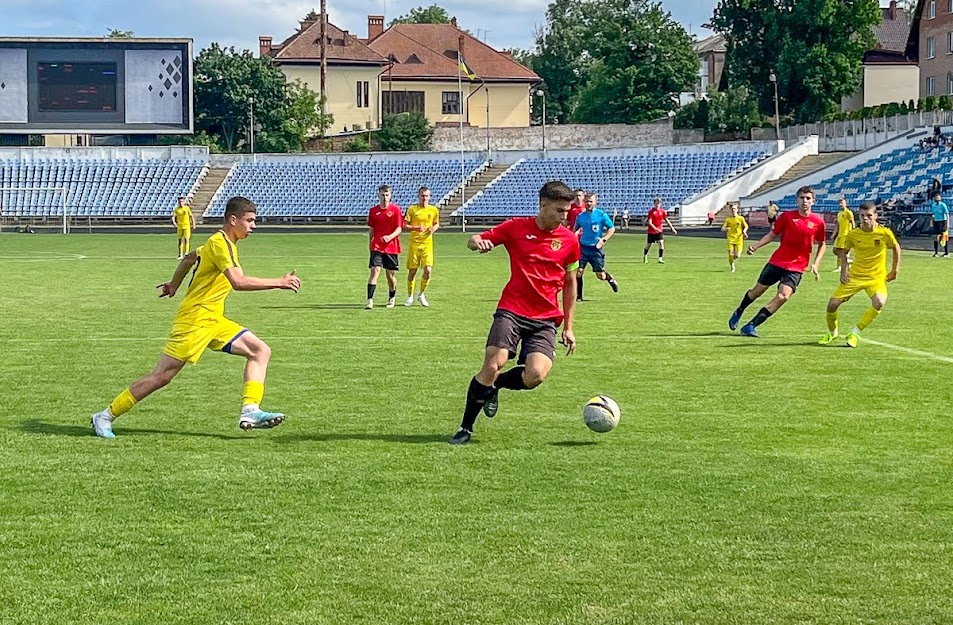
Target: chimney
column 453, row 22
column 893, row 10
column 305, row 24
column 264, row 46
column 375, row 27
column 461, row 42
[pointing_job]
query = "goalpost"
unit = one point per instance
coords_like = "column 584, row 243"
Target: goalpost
column 35, row 206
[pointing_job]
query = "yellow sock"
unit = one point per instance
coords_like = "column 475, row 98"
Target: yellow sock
column 122, row 404
column 731, row 258
column 185, row 247
column 832, row 321
column 868, row 318
column 423, row 284
column 410, row 288
column 253, row 393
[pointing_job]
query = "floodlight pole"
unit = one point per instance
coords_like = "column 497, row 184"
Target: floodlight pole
column 777, row 117
column 251, row 123
column 542, row 94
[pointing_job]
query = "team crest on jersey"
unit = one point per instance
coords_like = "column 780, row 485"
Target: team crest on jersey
column 555, row 244
column 810, row 225
column 876, row 242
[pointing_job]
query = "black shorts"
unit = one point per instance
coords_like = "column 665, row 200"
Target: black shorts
column 390, row 262
column 510, row 331
column 772, row 274
column 590, row 255
column 939, row 227
column 654, row 237
column 771, row 220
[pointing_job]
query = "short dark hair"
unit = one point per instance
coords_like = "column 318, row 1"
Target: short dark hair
column 579, row 191
column 383, row 188
column 589, row 195
column 422, row 189
column 805, row 189
column 557, row 190
column 868, row 205
column 238, row 206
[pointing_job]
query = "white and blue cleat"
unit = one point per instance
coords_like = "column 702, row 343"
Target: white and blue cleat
column 260, row 420
column 102, row 425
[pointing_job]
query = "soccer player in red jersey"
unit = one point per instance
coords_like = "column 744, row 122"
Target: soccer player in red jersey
column 544, row 256
column 385, row 222
column 799, row 230
column 575, row 209
column 655, row 219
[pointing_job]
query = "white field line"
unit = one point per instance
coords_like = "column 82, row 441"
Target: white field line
column 364, row 337
column 912, row 352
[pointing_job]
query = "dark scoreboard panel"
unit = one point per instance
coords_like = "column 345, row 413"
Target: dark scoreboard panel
column 96, row 86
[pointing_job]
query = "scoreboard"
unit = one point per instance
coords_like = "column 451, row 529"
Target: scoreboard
column 95, row 86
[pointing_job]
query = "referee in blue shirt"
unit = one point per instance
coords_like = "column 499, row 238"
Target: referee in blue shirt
column 941, row 221
column 594, row 227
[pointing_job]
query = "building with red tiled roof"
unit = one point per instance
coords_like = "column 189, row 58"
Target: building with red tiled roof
column 890, row 73
column 352, row 74
column 425, row 75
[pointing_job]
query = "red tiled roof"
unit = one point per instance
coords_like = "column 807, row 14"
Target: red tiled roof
column 435, row 46
column 305, row 45
column 892, row 34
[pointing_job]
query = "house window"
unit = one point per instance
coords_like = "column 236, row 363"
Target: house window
column 949, row 42
column 363, row 94
column 450, row 103
column 949, row 6
column 402, row 102
column 949, row 83
column 931, row 85
column 931, row 47
column 703, row 76
column 931, row 11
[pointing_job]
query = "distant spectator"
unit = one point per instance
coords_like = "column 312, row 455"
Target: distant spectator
column 711, row 217
column 772, row 213
column 625, row 218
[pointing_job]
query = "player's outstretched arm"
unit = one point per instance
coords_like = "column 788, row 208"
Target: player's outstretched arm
column 896, row 263
column 815, row 267
column 169, row 288
column 241, row 282
column 569, row 309
column 671, row 227
column 724, row 226
column 435, row 226
column 479, row 244
column 764, row 241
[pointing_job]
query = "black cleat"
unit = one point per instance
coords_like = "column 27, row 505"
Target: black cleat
column 492, row 404
column 614, row 285
column 461, row 437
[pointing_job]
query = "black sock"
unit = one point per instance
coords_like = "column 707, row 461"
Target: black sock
column 370, row 290
column 391, row 294
column 660, row 252
column 936, row 246
column 609, row 277
column 946, row 248
column 512, row 379
column 760, row 318
column 476, row 397
column 578, row 287
column 745, row 302
column 645, row 252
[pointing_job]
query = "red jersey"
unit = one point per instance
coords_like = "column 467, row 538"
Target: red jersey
column 539, row 260
column 656, row 218
column 798, row 235
column 574, row 211
column 383, row 221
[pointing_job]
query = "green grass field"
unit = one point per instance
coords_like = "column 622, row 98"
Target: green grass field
column 750, row 481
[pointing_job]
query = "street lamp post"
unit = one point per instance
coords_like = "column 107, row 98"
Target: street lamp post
column 251, row 123
column 542, row 94
column 777, row 117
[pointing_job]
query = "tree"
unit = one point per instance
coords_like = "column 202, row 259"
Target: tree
column 814, row 47
column 406, row 132
column 312, row 16
column 526, row 58
column 424, row 15
column 224, row 80
column 622, row 61
column 115, row 33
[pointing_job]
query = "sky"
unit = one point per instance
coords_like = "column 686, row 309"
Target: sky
column 501, row 23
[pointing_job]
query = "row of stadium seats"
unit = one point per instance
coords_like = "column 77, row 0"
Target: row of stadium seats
column 94, row 188
column 896, row 175
column 337, row 189
column 620, row 181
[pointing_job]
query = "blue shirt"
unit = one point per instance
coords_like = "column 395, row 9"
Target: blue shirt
column 593, row 225
column 940, row 211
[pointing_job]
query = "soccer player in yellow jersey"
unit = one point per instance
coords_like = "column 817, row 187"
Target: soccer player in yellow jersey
column 200, row 322
column 845, row 223
column 423, row 219
column 868, row 273
column 184, row 225
column 737, row 229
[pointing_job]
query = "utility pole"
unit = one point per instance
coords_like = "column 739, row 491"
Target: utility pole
column 324, row 58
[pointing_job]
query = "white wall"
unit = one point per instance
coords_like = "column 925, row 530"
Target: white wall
column 194, row 153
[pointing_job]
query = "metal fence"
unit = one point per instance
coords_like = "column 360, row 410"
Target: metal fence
column 861, row 134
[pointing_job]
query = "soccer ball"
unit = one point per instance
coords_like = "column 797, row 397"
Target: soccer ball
column 601, row 414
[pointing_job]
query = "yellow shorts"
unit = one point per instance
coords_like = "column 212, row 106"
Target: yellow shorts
column 187, row 341
column 844, row 292
column 840, row 242
column 420, row 256
column 183, row 233
column 734, row 244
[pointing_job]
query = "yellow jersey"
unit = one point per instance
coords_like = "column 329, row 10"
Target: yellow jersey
column 183, row 217
column 870, row 253
column 845, row 223
column 205, row 298
column 736, row 227
column 425, row 216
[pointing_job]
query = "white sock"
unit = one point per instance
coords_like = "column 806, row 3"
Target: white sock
column 249, row 408
column 855, row 330
column 108, row 413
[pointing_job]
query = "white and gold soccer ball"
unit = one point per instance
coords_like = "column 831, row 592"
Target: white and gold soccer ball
column 601, row 414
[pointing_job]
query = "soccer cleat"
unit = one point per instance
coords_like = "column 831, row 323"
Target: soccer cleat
column 423, row 300
column 370, row 305
column 732, row 269
column 614, row 285
column 734, row 320
column 661, row 261
column 492, row 404
column 102, row 425
column 852, row 339
column 260, row 420
column 828, row 338
column 391, row 303
column 461, row 437
column 749, row 330
column 409, row 301
column 579, row 299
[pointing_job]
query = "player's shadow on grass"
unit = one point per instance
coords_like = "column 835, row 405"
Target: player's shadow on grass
column 348, row 306
column 59, row 429
column 414, row 439
column 659, row 335
column 574, row 443
column 757, row 343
